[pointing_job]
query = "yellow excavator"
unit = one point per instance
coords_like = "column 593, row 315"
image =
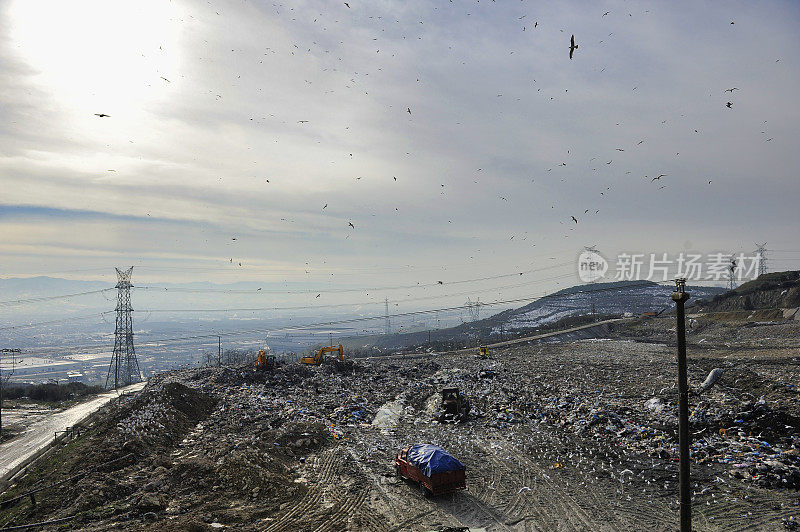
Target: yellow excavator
column 316, row 360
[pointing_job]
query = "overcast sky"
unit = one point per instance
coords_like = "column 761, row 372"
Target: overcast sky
column 243, row 120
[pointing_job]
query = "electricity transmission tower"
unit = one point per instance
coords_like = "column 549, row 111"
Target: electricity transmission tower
column 387, row 324
column 732, row 274
column 124, row 364
column 761, row 253
column 474, row 309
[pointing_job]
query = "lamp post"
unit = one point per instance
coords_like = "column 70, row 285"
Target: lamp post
column 680, row 296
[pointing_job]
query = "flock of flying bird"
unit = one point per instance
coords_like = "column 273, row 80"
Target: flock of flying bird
column 572, row 48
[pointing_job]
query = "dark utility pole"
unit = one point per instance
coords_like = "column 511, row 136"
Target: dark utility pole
column 1, row 388
column 219, row 350
column 680, row 296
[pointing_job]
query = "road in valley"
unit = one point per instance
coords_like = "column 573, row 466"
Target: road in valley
column 16, row 452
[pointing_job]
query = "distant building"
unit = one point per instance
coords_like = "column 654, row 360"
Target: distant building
column 649, row 314
column 74, row 376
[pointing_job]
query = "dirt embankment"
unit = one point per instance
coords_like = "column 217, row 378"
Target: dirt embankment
column 779, row 290
column 93, row 466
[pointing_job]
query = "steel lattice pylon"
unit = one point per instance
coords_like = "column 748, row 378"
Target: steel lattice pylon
column 124, row 366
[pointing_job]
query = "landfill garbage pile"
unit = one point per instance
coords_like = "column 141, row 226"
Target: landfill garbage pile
column 573, row 436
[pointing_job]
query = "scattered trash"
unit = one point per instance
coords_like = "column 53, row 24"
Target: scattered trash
column 713, row 376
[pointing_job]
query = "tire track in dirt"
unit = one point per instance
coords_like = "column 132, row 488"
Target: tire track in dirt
column 602, row 504
column 395, row 503
column 310, row 501
column 342, row 513
column 471, row 511
column 550, row 495
column 541, row 495
column 759, row 522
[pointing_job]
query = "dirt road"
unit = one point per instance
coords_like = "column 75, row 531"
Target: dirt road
column 17, row 452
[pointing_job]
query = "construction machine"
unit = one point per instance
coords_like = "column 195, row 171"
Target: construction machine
column 483, row 352
column 316, row 360
column 265, row 361
column 455, row 407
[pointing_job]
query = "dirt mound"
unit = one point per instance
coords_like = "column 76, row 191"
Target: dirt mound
column 773, row 290
column 160, row 418
column 93, row 466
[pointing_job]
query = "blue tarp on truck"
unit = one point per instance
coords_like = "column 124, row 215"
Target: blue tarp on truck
column 431, row 459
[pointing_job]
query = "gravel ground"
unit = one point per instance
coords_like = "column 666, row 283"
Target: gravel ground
column 570, row 436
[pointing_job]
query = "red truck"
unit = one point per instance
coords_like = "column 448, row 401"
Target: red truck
column 436, row 471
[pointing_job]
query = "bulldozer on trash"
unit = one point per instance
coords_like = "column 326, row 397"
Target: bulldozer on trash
column 455, row 406
column 265, row 360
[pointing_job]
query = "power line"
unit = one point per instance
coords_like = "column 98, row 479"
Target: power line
column 311, row 326
column 51, row 298
column 363, row 303
column 314, row 307
column 345, row 290
column 53, row 322
column 300, row 307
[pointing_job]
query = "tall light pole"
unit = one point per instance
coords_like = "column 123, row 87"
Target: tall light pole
column 680, row 296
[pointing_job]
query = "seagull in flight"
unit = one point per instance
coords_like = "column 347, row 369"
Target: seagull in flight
column 729, row 105
column 574, row 219
column 102, row 115
column 659, row 176
column 732, row 89
column 572, row 46
column 351, row 225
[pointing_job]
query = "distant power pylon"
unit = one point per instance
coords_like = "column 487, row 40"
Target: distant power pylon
column 474, row 309
column 124, row 365
column 387, row 324
column 732, row 274
column 761, row 253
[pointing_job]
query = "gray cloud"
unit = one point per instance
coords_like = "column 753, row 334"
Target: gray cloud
column 495, row 112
